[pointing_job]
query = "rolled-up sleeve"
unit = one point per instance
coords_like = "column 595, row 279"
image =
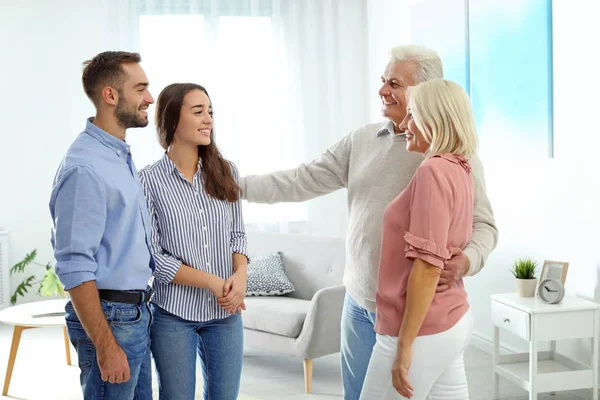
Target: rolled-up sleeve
column 78, row 211
column 239, row 241
column 430, row 214
column 166, row 265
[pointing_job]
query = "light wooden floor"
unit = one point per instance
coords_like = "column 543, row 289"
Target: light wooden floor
column 41, row 373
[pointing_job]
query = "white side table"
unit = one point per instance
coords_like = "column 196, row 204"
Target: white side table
column 24, row 316
column 537, row 321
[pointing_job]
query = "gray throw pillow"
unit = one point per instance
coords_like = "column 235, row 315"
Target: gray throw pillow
column 266, row 276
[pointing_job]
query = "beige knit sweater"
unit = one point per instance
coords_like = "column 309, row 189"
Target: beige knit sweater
column 373, row 164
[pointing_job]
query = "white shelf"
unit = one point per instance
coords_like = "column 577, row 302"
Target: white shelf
column 534, row 305
column 552, row 375
column 537, row 321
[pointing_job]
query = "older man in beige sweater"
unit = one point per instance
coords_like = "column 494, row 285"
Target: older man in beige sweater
column 373, row 164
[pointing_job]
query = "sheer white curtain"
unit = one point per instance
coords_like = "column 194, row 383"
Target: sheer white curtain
column 287, row 78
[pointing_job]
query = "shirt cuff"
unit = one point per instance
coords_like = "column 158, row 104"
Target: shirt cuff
column 239, row 244
column 240, row 250
column 166, row 267
column 74, row 273
column 426, row 250
column 471, row 254
column 436, row 262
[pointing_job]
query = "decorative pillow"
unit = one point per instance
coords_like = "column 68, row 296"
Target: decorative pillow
column 266, row 276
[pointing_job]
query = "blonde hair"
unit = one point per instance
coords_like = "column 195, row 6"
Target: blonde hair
column 429, row 64
column 442, row 112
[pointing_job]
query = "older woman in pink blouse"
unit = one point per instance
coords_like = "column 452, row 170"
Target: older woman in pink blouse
column 421, row 334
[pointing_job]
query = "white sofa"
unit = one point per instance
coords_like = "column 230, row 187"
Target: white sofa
column 306, row 322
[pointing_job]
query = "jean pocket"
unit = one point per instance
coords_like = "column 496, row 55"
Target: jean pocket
column 84, row 348
column 71, row 318
column 122, row 314
column 79, row 338
column 129, row 325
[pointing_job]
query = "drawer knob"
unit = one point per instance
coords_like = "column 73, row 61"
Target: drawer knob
column 507, row 320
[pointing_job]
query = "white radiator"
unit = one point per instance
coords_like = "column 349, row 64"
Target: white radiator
column 4, row 271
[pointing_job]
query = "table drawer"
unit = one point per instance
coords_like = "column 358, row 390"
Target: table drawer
column 511, row 319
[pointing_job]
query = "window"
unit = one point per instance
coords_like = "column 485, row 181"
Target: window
column 242, row 64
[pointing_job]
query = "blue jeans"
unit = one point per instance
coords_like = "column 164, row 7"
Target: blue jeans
column 130, row 324
column 358, row 339
column 218, row 342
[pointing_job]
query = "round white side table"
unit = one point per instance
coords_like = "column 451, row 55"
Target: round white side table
column 37, row 314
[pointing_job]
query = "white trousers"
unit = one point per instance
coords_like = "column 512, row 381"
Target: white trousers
column 437, row 370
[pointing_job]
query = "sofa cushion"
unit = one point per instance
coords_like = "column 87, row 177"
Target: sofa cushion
column 266, row 276
column 311, row 263
column 279, row 315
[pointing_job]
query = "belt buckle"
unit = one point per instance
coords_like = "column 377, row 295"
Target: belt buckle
column 147, row 295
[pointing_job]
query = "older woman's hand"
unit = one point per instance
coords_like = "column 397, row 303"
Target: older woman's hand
column 400, row 371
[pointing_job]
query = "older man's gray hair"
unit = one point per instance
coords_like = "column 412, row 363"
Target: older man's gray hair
column 429, row 64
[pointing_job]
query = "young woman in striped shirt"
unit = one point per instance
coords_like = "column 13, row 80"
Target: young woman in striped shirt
column 199, row 245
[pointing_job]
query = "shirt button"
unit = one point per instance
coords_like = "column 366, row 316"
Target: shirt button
column 205, row 245
column 203, row 228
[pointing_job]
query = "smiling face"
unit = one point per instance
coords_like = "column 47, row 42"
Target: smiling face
column 134, row 98
column 396, row 78
column 195, row 120
column 415, row 140
column 440, row 120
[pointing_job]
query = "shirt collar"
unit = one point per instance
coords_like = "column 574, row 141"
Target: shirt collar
column 120, row 147
column 460, row 160
column 169, row 166
column 387, row 128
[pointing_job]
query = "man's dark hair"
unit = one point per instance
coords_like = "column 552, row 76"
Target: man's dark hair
column 105, row 70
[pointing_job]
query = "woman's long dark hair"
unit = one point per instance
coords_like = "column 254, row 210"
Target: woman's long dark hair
column 217, row 174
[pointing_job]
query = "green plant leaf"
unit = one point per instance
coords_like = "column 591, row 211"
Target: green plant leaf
column 524, row 268
column 21, row 289
column 50, row 285
column 20, row 266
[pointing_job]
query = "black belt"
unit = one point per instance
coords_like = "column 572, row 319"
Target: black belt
column 126, row 296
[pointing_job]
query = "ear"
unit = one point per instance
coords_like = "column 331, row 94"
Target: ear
column 110, row 95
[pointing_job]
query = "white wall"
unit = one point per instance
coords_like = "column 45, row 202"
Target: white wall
column 546, row 209
column 386, row 28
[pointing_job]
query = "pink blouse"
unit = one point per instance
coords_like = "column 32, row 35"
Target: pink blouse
column 433, row 214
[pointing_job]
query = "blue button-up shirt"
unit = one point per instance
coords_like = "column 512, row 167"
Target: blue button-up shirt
column 101, row 227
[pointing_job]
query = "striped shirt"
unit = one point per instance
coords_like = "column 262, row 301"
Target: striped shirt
column 192, row 228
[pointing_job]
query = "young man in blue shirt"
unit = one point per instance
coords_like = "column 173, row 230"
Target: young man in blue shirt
column 101, row 232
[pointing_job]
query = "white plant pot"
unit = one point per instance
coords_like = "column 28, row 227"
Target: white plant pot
column 526, row 287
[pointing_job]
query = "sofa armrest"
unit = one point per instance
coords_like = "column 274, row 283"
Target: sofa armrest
column 321, row 332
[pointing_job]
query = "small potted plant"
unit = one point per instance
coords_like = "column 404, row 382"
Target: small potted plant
column 524, row 272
